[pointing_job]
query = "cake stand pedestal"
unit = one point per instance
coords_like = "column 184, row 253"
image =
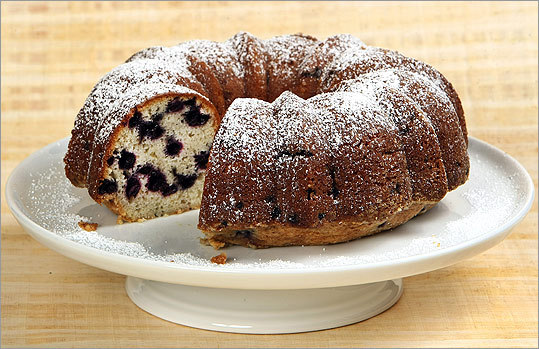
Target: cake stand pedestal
column 263, row 311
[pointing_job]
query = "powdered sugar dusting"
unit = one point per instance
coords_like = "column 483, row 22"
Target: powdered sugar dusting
column 286, row 53
column 432, row 101
column 301, row 129
column 51, row 207
column 493, row 194
column 287, row 58
column 221, row 56
column 244, row 44
column 280, row 145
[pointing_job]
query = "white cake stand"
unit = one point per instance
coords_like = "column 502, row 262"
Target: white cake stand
column 277, row 290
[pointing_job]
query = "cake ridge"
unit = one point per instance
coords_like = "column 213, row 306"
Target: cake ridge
column 284, row 141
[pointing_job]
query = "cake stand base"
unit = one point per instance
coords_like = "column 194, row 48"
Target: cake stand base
column 263, row 311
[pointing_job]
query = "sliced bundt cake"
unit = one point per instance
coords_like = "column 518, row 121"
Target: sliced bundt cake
column 320, row 141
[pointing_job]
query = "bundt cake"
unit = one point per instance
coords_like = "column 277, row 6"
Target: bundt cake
column 285, row 141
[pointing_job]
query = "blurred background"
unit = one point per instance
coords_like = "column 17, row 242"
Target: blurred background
column 52, row 53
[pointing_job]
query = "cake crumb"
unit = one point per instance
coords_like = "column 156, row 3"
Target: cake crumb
column 220, row 259
column 119, row 220
column 213, row 243
column 88, row 226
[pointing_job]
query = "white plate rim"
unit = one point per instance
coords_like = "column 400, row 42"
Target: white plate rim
column 289, row 278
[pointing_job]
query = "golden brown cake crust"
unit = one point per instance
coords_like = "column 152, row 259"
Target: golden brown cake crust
column 325, row 167
column 327, row 233
column 324, row 194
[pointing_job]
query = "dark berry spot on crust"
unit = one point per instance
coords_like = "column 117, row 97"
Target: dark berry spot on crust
column 270, row 199
column 201, row 160
column 381, row 225
column 303, row 152
column 107, row 186
column 184, row 181
column 309, row 193
column 127, row 160
column 132, row 187
column 334, row 190
column 397, row 188
column 316, row 73
column 321, row 216
column 276, row 212
column 423, row 209
column 404, row 131
column 157, row 181
column 175, row 105
column 224, row 223
column 244, row 233
column 174, row 147
column 293, row 218
column 239, row 205
column 195, row 118
column 110, row 161
column 135, row 120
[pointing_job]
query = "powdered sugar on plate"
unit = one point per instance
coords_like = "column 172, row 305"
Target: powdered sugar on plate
column 495, row 194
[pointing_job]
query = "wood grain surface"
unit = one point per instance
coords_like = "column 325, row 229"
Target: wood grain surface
column 54, row 52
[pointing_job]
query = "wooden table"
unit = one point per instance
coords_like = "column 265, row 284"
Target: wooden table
column 53, row 53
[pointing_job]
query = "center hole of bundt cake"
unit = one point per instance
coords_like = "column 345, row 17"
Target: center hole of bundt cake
column 159, row 159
